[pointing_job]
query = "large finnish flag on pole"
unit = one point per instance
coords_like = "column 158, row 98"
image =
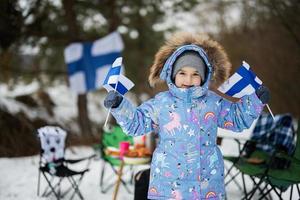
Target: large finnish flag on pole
column 115, row 80
column 242, row 82
column 88, row 63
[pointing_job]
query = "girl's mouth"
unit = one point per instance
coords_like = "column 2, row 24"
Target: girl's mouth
column 186, row 86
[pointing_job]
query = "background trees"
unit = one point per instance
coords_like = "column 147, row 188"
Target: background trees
column 265, row 33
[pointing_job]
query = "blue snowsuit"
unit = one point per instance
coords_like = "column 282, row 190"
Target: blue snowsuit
column 187, row 163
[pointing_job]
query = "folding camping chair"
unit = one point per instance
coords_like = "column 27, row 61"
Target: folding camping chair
column 53, row 165
column 268, row 166
column 282, row 173
column 110, row 140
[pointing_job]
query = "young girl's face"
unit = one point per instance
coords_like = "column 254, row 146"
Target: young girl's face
column 187, row 77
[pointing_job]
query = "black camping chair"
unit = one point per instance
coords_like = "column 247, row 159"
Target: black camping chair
column 55, row 168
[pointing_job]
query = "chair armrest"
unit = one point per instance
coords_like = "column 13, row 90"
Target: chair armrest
column 79, row 160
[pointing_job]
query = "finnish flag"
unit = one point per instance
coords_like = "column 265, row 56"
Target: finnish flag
column 115, row 80
column 88, row 63
column 242, row 82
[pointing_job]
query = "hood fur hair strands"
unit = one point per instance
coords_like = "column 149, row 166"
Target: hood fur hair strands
column 215, row 52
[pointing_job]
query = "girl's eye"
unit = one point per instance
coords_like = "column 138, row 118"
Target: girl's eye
column 181, row 73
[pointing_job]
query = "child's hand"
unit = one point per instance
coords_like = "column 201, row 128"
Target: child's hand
column 113, row 99
column 263, row 93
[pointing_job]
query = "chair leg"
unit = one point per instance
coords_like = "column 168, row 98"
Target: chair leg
column 75, row 187
column 56, row 189
column 132, row 174
column 70, row 188
column 277, row 193
column 244, row 185
column 59, row 189
column 124, row 183
column 51, row 187
column 263, row 195
column 105, row 189
column 102, row 177
column 252, row 192
column 298, row 190
column 39, row 181
column 270, row 196
column 291, row 192
column 233, row 179
column 46, row 193
column 231, row 167
column 126, row 187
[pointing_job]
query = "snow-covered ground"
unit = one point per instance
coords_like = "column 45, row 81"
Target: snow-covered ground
column 19, row 177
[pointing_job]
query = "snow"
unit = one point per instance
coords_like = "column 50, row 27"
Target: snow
column 7, row 95
column 19, row 177
column 65, row 110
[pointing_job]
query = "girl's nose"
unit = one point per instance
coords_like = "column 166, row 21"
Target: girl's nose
column 188, row 81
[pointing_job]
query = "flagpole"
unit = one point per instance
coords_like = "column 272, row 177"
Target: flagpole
column 270, row 111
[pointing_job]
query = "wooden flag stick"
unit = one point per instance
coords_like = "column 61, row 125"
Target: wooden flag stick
column 270, row 111
column 108, row 114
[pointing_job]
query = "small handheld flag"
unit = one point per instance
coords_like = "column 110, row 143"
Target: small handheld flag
column 116, row 81
column 242, row 82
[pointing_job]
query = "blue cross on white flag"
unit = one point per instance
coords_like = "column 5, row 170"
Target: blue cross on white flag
column 242, row 82
column 115, row 80
column 88, row 63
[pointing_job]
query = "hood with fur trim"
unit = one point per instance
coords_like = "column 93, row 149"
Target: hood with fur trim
column 216, row 55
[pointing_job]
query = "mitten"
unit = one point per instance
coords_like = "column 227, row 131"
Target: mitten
column 113, row 99
column 263, row 93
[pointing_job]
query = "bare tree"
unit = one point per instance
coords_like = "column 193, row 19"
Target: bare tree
column 83, row 117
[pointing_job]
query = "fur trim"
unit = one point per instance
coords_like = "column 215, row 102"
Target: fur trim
column 215, row 52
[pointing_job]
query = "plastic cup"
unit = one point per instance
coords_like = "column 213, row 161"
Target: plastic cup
column 124, row 147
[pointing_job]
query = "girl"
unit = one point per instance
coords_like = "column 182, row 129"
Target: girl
column 187, row 163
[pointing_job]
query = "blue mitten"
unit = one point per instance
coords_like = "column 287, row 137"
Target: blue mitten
column 113, row 99
column 263, row 93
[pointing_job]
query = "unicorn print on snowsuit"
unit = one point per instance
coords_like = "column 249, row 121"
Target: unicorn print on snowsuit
column 187, row 163
column 173, row 124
